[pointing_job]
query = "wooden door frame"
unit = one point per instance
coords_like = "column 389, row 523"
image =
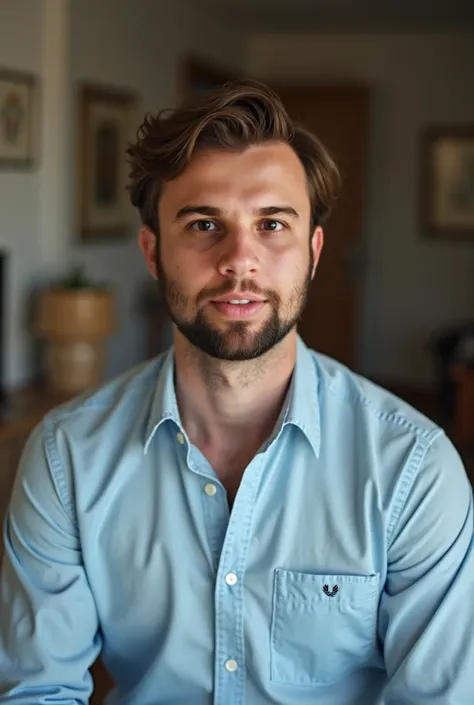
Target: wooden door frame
column 360, row 93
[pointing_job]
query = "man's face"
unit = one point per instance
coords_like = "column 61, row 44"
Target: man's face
column 234, row 256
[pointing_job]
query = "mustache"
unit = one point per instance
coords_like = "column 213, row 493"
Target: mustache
column 233, row 286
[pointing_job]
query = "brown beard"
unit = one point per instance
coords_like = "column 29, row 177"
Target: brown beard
column 236, row 343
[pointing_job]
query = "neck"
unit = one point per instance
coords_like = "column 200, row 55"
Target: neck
column 225, row 405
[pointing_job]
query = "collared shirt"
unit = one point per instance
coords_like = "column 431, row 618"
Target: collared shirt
column 343, row 575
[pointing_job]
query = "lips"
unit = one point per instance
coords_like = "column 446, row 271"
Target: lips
column 238, row 308
column 236, row 302
column 238, row 299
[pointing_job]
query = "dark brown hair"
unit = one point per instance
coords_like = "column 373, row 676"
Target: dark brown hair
column 234, row 116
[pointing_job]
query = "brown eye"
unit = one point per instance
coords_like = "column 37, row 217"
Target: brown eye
column 203, row 226
column 272, row 226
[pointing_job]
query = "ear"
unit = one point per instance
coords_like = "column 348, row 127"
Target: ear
column 317, row 242
column 147, row 243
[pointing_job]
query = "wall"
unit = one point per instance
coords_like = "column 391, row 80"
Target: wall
column 412, row 285
column 20, row 49
column 136, row 45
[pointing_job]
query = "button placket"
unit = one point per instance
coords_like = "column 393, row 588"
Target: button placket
column 230, row 644
column 216, row 515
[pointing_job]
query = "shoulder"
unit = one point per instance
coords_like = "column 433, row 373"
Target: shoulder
column 83, row 437
column 119, row 401
column 408, row 457
column 361, row 398
column 405, row 451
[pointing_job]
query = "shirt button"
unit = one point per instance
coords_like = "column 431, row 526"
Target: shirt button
column 210, row 489
column 231, row 579
column 231, row 665
column 180, row 438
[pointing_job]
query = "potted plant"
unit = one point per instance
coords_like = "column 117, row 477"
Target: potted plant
column 75, row 316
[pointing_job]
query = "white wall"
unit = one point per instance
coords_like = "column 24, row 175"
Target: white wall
column 135, row 45
column 412, row 285
column 20, row 49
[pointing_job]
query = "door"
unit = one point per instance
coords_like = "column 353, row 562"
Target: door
column 338, row 115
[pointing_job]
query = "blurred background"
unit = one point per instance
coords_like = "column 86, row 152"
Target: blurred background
column 387, row 87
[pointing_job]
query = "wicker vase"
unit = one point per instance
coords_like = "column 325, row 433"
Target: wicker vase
column 74, row 324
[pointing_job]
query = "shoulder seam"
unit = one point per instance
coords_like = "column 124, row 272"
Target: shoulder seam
column 57, row 470
column 52, row 422
column 408, row 475
column 391, row 417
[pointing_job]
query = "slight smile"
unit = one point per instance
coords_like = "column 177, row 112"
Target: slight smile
column 234, row 306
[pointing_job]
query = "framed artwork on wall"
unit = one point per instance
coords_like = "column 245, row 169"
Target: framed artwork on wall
column 18, row 119
column 448, row 183
column 106, row 123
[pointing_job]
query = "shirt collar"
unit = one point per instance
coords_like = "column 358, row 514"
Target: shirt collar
column 303, row 399
column 301, row 408
column 164, row 406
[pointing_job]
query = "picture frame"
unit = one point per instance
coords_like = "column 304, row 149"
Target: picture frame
column 18, row 119
column 448, row 182
column 106, row 123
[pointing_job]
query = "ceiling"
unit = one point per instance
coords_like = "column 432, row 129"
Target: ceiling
column 346, row 15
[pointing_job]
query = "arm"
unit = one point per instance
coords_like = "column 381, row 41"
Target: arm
column 48, row 619
column 427, row 608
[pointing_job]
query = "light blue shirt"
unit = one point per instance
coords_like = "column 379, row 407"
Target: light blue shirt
column 343, row 575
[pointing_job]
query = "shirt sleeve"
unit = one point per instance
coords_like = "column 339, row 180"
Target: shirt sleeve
column 427, row 607
column 49, row 633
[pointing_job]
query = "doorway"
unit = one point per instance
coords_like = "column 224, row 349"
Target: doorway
column 339, row 117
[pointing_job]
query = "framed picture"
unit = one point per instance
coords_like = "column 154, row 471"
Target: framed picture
column 448, row 183
column 106, row 124
column 18, row 119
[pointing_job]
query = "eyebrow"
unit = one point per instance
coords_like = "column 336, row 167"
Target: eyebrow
column 216, row 212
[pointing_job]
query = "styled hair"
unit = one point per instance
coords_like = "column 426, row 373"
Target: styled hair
column 234, row 116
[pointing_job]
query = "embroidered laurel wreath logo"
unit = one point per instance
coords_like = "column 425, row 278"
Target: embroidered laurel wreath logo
column 330, row 593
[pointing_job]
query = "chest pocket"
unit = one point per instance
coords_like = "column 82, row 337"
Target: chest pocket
column 323, row 626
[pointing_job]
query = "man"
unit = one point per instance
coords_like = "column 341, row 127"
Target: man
column 242, row 520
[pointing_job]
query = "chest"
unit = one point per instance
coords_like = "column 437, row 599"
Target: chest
column 288, row 509
column 276, row 572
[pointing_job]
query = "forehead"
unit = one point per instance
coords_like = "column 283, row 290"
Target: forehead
column 261, row 175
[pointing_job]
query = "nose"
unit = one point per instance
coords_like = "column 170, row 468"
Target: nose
column 238, row 257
